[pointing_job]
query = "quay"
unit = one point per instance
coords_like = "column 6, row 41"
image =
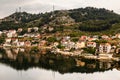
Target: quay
column 88, row 56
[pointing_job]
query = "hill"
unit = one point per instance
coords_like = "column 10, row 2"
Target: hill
column 87, row 19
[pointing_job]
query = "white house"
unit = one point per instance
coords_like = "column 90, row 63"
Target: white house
column 22, row 50
column 79, row 45
column 105, row 37
column 118, row 35
column 12, row 31
column 105, row 48
column 68, row 44
column 71, row 45
column 67, row 38
column 9, row 34
column 36, row 29
column 55, row 44
column 8, row 40
column 19, row 30
column 21, row 44
column 92, row 39
column 29, row 29
column 6, row 44
column 50, row 28
column 37, row 35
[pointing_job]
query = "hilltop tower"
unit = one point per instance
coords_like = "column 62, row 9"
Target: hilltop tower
column 19, row 9
column 53, row 9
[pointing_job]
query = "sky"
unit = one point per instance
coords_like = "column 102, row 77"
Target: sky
column 8, row 7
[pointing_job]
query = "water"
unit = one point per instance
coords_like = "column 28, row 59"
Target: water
column 8, row 73
column 27, row 66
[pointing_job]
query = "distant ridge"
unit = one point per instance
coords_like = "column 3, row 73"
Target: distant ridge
column 87, row 19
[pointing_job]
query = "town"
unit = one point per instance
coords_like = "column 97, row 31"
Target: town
column 92, row 46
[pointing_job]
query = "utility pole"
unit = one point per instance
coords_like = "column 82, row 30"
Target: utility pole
column 19, row 9
column 53, row 11
column 53, row 8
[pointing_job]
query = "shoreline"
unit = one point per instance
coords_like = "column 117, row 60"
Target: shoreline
column 71, row 54
column 87, row 56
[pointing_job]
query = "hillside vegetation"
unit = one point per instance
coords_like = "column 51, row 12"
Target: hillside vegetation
column 80, row 21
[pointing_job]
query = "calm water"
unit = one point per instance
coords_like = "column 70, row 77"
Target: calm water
column 33, row 66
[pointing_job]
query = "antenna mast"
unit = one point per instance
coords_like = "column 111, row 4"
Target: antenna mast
column 53, row 10
column 19, row 9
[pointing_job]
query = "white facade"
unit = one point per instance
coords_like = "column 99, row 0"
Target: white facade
column 8, row 40
column 105, row 48
column 9, row 35
column 79, row 45
column 21, row 44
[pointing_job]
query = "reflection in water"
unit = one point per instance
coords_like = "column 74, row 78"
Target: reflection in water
column 38, row 66
column 22, row 59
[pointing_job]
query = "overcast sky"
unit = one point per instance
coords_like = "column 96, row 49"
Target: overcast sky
column 7, row 7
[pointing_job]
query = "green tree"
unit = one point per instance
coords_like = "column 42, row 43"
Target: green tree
column 51, row 39
column 90, row 50
column 2, row 40
column 60, row 46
